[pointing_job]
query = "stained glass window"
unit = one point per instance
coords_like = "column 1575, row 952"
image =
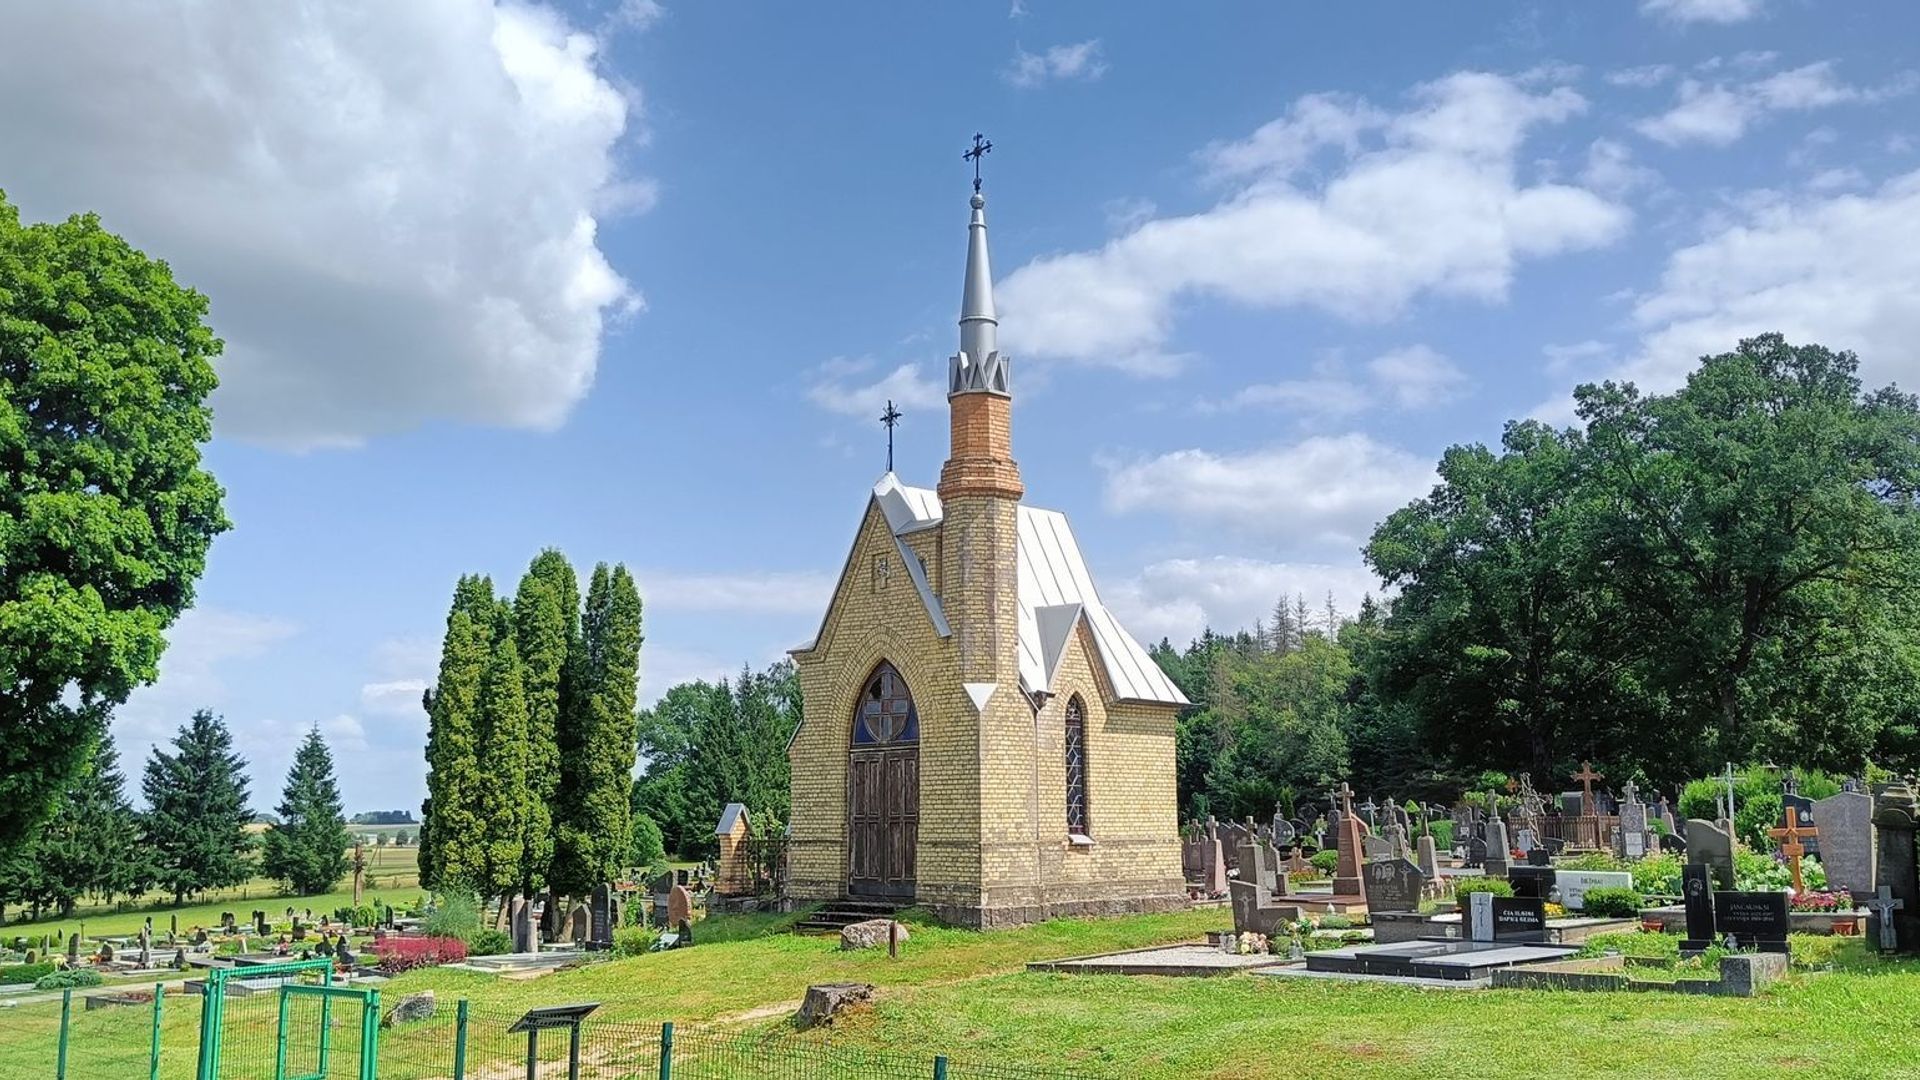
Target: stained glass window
column 1076, row 767
column 886, row 713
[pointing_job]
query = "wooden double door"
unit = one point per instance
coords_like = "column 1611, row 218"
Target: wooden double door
column 883, row 789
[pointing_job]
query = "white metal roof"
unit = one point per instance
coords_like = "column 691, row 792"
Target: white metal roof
column 1055, row 592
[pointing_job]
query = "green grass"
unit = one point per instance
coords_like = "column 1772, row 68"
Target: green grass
column 966, row 994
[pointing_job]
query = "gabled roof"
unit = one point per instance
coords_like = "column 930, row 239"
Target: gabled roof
column 730, row 817
column 1055, row 594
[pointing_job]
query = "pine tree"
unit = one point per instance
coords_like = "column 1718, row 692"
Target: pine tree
column 504, row 797
column 1286, row 637
column 93, row 843
column 307, row 850
column 450, row 846
column 546, row 618
column 197, row 810
column 598, row 736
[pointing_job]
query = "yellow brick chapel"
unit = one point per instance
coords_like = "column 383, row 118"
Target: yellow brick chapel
column 980, row 736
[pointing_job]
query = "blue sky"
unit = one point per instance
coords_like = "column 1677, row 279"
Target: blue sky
column 635, row 279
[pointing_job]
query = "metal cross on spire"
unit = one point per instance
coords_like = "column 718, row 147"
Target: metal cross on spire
column 981, row 147
column 891, row 418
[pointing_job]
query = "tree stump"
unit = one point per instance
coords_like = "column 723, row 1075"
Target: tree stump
column 823, row 1003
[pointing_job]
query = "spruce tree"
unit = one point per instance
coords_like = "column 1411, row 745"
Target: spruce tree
column 504, row 798
column 546, row 618
column 598, row 734
column 450, row 848
column 307, row 850
column 93, row 843
column 197, row 810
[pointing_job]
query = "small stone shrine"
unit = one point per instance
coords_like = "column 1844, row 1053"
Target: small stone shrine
column 734, row 872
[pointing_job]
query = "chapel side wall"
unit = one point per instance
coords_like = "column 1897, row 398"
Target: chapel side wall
column 868, row 622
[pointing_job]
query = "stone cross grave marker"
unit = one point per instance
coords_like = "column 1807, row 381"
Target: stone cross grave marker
column 1883, row 905
column 1790, row 837
column 1346, row 880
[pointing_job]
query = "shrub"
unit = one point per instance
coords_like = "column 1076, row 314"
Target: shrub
column 1336, row 922
column 364, row 915
column 1442, row 831
column 1326, row 861
column 489, row 942
column 1466, row 886
column 405, row 954
column 1612, row 903
column 23, row 973
column 1657, row 875
column 1593, row 860
column 68, row 980
column 634, row 940
column 455, row 915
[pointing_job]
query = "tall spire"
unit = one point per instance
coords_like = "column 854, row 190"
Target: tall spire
column 979, row 396
column 978, row 367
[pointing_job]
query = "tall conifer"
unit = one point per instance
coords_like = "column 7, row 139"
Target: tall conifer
column 197, row 810
column 451, row 855
column 307, row 850
column 504, row 798
column 598, row 733
column 93, row 843
column 546, row 616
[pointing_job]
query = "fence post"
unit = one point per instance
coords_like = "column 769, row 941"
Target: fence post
column 153, row 1058
column 940, row 1067
column 66, row 1020
column 370, row 1037
column 280, row 1038
column 666, row 1051
column 460, row 1041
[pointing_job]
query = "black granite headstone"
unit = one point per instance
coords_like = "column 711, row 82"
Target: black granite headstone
column 1476, row 853
column 1754, row 920
column 1539, row 857
column 1696, row 887
column 1532, row 882
column 1519, row 919
column 1392, row 885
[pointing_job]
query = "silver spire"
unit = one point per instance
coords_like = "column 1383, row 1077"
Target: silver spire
column 978, row 366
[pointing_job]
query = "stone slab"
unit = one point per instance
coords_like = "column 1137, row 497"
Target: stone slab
column 1442, row 959
column 1192, row 961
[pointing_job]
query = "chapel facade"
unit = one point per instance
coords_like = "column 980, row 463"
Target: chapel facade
column 979, row 734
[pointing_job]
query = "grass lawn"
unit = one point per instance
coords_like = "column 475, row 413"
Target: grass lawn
column 392, row 874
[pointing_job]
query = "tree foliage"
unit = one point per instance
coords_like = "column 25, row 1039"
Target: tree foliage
column 307, row 850
column 197, row 810
column 450, row 855
column 546, row 620
column 91, row 847
column 709, row 744
column 597, row 736
column 504, row 798
column 105, row 512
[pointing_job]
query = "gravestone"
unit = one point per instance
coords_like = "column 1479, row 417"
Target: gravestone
column 1894, row 820
column 1753, row 920
column 1393, row 885
column 1376, row 848
column 1571, row 803
column 602, row 917
column 1213, row 856
column 1526, row 839
column 1429, row 859
column 1479, row 916
column 299, row 929
column 1673, row 844
column 1534, row 882
column 1258, row 865
column 1884, row 906
column 1346, row 879
column 1283, row 831
column 549, row 917
column 1497, row 851
column 1522, row 919
column 73, row 949
column 679, row 906
column 1710, row 844
column 1254, row 913
column 1574, row 884
column 526, row 933
column 1631, row 836
column 1476, row 853
column 1790, row 797
column 1696, row 886
column 1846, row 841
column 260, row 928
column 1538, row 857
column 227, row 923
column 173, row 925
column 580, row 924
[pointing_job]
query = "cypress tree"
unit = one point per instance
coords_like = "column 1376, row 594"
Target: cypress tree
column 546, row 617
column 598, row 736
column 197, row 810
column 307, row 850
column 504, row 798
column 450, row 855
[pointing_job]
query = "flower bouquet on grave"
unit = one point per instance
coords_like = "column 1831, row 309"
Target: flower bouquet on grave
column 1823, row 902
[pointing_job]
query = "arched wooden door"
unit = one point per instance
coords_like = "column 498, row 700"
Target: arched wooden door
column 883, row 789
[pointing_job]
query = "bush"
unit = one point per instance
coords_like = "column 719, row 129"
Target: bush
column 1325, row 861
column 634, row 940
column 1336, row 922
column 1593, row 860
column 1612, row 903
column 23, row 973
column 455, row 915
column 405, row 954
column 1466, row 886
column 1442, row 830
column 490, row 943
column 364, row 915
column 1756, row 793
column 68, row 980
column 1657, row 875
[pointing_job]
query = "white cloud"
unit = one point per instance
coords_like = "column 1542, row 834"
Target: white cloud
column 843, row 386
column 1413, row 377
column 1178, row 598
column 1324, row 489
column 662, row 669
column 1611, row 170
column 1841, row 270
column 1081, row 61
column 1641, row 77
column 396, row 698
column 1423, row 202
column 393, row 207
column 1708, row 11
column 345, row 734
column 770, row 593
column 1720, row 113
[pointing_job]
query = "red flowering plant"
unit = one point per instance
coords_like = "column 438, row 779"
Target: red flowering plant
column 1826, row 903
column 398, row 954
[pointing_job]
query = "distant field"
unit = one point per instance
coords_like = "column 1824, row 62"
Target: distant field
column 392, row 874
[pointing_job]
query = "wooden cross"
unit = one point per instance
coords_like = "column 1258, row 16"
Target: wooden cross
column 359, row 870
column 981, row 148
column 1883, row 905
column 1512, row 786
column 1792, row 847
column 891, row 418
column 1587, row 776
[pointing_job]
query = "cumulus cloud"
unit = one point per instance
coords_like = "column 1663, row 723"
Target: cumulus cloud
column 1423, row 201
column 1718, row 114
column 1178, row 598
column 1413, row 377
column 1838, row 269
column 1328, row 489
column 394, row 207
column 1701, row 11
column 1641, row 77
column 1082, row 61
column 769, row 593
column 848, row 387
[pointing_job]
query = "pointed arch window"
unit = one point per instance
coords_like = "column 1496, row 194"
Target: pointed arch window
column 886, row 713
column 1076, row 743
